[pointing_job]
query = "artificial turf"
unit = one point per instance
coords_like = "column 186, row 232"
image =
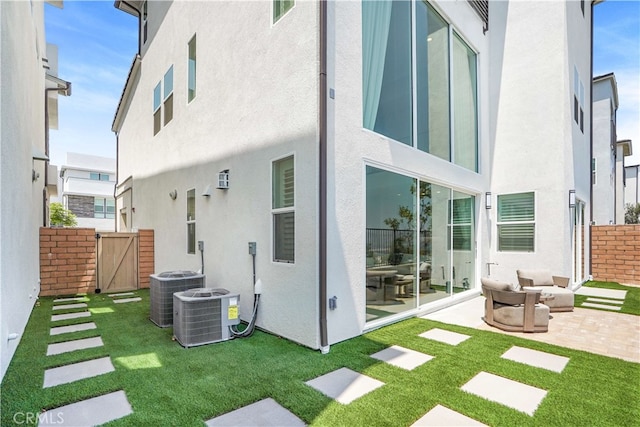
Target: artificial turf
column 169, row 385
column 631, row 303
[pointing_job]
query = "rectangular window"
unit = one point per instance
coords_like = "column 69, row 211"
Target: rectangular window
column 445, row 81
column 462, row 222
column 157, row 111
column 516, row 222
column 191, row 221
column 143, row 21
column 578, row 99
column 283, row 210
column 280, row 8
column 168, row 95
column 593, row 171
column 104, row 208
column 96, row 176
column 191, row 86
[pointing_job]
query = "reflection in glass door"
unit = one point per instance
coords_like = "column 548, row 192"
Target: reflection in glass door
column 578, row 242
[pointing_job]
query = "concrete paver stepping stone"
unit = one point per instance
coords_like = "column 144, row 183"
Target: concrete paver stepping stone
column 68, row 316
column 539, row 359
column 442, row 416
column 344, row 385
column 69, row 299
column 67, row 346
column 77, row 371
column 68, row 306
column 125, row 300
column 266, row 412
column 442, row 335
column 90, row 412
column 521, row 397
column 602, row 306
column 603, row 293
column 121, row 294
column 72, row 328
column 402, row 357
column 606, row 301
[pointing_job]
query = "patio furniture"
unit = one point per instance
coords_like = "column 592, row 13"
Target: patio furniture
column 513, row 311
column 548, row 284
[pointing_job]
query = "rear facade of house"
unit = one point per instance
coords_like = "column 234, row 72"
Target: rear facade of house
column 382, row 155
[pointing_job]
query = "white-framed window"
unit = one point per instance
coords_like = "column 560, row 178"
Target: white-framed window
column 593, row 171
column 283, row 209
column 143, row 22
column 191, row 221
column 163, row 100
column 516, row 222
column 168, row 95
column 191, row 84
column 461, row 222
column 280, row 8
column 578, row 99
column 97, row 176
column 104, row 208
column 157, row 110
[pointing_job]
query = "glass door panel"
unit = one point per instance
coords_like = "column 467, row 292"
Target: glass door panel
column 462, row 230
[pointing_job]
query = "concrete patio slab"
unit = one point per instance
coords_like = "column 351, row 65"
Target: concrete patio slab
column 344, row 385
column 67, row 346
column 121, row 294
column 599, row 292
column 266, row 412
column 521, row 397
column 125, row 300
column 69, row 299
column 539, row 359
column 402, row 357
column 72, row 328
column 606, row 301
column 468, row 313
column 445, row 417
column 69, row 306
column 90, row 412
column 68, row 316
column 602, row 306
column 77, row 371
column 447, row 337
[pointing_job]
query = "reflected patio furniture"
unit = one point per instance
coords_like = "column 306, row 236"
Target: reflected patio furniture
column 513, row 311
column 383, row 279
column 555, row 285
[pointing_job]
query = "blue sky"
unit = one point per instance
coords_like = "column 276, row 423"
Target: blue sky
column 96, row 44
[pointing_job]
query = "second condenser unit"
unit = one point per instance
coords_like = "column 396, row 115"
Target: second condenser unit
column 163, row 286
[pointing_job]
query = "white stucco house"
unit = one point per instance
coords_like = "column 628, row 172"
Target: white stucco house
column 87, row 184
column 631, row 189
column 30, row 88
column 384, row 156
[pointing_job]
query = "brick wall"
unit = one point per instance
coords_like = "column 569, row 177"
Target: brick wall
column 615, row 253
column 146, row 254
column 67, row 261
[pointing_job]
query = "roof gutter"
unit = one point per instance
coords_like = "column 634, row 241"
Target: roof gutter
column 322, row 142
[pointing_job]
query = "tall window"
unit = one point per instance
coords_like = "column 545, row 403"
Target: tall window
column 157, row 111
column 462, row 222
column 516, row 222
column 163, row 100
column 593, row 171
column 104, row 208
column 280, row 8
column 283, row 210
column 578, row 99
column 143, row 22
column 191, row 221
column 168, row 95
column 445, row 81
column 191, row 85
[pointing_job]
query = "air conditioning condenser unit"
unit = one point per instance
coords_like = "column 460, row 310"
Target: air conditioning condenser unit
column 163, row 286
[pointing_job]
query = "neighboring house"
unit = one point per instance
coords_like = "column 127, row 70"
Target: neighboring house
column 87, row 186
column 631, row 188
column 603, row 163
column 383, row 155
column 29, row 88
column 623, row 149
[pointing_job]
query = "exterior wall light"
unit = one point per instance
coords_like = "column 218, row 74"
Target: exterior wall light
column 173, row 194
column 487, row 200
column 572, row 199
column 207, row 191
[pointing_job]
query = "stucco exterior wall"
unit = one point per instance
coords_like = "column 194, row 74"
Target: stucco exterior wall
column 632, row 187
column 22, row 46
column 603, row 153
column 537, row 145
column 256, row 102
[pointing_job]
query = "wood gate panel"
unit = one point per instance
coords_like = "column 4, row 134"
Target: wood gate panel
column 117, row 261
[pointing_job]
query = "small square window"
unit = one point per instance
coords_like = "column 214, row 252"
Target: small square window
column 280, row 8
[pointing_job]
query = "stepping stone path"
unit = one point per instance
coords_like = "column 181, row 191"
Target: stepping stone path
column 93, row 411
column 444, row 336
column 266, row 412
column 402, row 357
column 117, row 298
column 604, row 299
column 344, row 385
column 441, row 416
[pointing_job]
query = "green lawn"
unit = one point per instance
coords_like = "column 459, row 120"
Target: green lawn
column 631, row 302
column 169, row 385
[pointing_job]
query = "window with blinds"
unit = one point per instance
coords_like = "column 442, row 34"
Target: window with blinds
column 461, row 225
column 191, row 221
column 516, row 222
column 283, row 210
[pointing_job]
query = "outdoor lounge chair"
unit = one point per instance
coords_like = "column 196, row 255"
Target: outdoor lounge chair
column 562, row 296
column 513, row 311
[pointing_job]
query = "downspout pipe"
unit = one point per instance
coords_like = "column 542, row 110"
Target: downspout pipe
column 322, row 142
column 115, row 186
column 590, row 273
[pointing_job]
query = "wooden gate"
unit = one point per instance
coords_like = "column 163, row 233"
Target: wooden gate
column 117, row 261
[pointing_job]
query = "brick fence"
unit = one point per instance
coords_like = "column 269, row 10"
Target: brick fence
column 68, row 260
column 615, row 253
